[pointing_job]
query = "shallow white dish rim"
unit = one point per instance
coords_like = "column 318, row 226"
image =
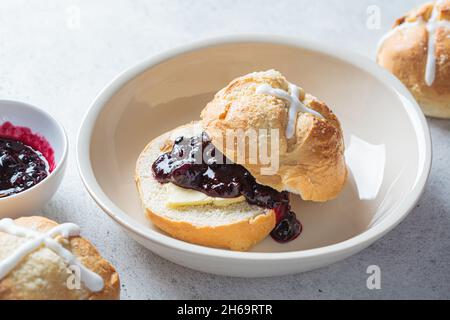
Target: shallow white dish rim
column 374, row 233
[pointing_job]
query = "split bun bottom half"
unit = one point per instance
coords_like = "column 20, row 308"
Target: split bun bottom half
column 236, row 227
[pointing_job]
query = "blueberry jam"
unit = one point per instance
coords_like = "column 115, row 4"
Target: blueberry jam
column 195, row 164
column 21, row 167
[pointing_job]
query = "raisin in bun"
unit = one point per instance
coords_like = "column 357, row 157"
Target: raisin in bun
column 311, row 156
column 417, row 51
column 31, row 268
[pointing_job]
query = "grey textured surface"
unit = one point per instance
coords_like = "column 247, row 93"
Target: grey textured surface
column 51, row 59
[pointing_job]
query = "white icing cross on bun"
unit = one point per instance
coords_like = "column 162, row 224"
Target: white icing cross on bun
column 295, row 105
column 431, row 26
column 92, row 280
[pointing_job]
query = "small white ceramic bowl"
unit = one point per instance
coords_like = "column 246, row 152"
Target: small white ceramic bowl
column 388, row 147
column 41, row 123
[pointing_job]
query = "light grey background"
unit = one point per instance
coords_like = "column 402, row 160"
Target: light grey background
column 51, row 60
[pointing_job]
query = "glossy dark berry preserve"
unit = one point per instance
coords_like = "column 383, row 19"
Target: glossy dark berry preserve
column 21, row 167
column 194, row 163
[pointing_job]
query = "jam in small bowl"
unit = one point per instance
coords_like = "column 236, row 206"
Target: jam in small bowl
column 22, row 163
column 33, row 152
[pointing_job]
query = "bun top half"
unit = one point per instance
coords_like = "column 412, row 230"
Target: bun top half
column 310, row 162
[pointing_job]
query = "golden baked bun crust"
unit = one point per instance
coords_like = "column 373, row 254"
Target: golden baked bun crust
column 42, row 274
column 311, row 162
column 405, row 52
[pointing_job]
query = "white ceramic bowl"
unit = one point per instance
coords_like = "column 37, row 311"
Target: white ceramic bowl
column 41, row 123
column 387, row 141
